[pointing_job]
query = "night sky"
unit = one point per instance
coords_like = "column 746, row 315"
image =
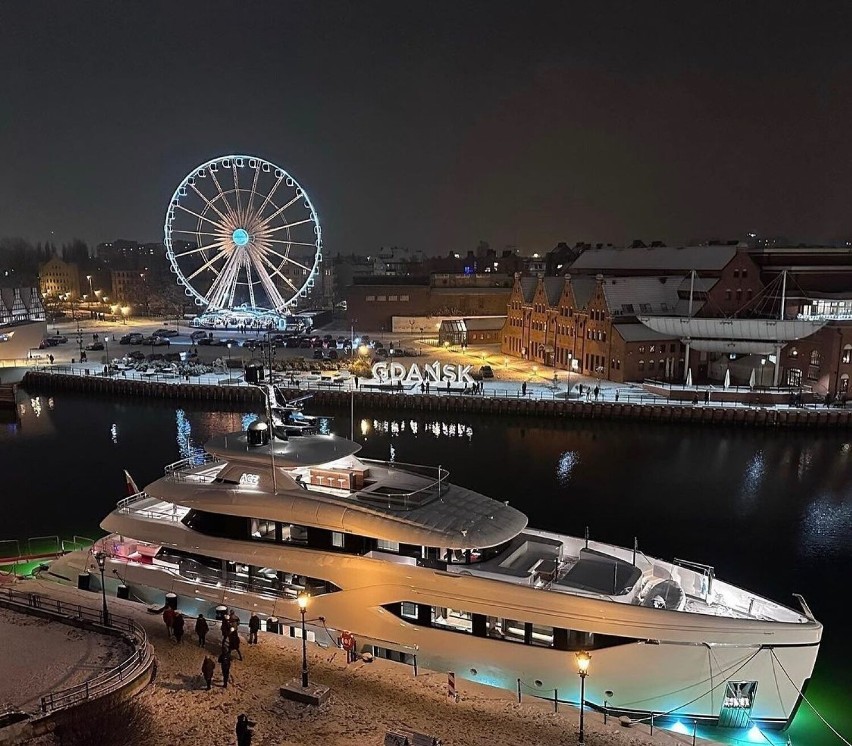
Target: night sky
column 435, row 125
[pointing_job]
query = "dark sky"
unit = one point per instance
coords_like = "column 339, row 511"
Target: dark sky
column 434, row 125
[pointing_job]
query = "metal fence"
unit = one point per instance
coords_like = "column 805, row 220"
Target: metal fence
column 65, row 612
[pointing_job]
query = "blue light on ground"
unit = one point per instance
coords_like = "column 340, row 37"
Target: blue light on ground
column 240, row 236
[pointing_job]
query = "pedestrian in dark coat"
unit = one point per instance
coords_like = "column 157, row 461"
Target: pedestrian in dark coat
column 208, row 666
column 225, row 663
column 254, row 628
column 234, row 642
column 245, row 730
column 177, row 626
column 225, row 627
column 201, row 629
column 169, row 618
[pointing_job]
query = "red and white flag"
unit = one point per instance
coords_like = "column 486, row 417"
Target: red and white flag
column 132, row 489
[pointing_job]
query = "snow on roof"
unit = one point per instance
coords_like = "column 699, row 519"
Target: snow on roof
column 584, row 288
column 650, row 295
column 484, row 323
column 638, row 333
column 662, row 258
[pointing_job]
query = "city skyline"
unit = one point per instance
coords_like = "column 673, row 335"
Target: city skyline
column 517, row 126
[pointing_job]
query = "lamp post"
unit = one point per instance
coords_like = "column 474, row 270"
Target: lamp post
column 124, row 311
column 106, row 344
column 229, row 362
column 100, row 558
column 583, row 660
column 303, row 606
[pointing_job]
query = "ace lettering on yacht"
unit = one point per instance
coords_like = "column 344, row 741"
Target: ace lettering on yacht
column 430, row 372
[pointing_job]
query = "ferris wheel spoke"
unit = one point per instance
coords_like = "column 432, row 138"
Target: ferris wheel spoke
column 201, row 217
column 231, row 212
column 216, row 245
column 237, row 191
column 250, row 281
column 199, row 233
column 222, row 284
column 265, row 221
column 253, row 190
column 277, row 228
column 207, row 265
column 271, row 291
column 287, row 243
column 288, row 259
column 277, row 271
column 208, row 202
column 268, row 196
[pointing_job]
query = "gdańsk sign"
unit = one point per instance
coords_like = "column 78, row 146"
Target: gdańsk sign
column 435, row 372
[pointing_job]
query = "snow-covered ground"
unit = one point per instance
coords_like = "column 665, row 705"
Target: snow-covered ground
column 39, row 656
column 367, row 699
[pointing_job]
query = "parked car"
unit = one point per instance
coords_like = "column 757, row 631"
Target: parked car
column 485, row 371
column 292, row 342
column 381, row 352
column 253, row 344
column 57, row 339
column 166, row 333
column 201, row 341
column 173, row 357
column 198, row 335
column 136, row 338
column 155, row 341
column 135, row 355
column 95, row 346
column 305, row 344
column 317, row 353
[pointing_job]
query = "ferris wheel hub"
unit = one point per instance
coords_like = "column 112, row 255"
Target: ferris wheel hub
column 240, row 236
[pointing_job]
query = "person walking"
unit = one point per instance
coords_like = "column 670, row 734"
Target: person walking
column 524, row 388
column 597, row 392
column 225, row 663
column 177, row 627
column 208, row 666
column 169, row 618
column 254, row 628
column 616, row 394
column 201, row 629
column 245, row 730
column 225, row 627
column 234, row 642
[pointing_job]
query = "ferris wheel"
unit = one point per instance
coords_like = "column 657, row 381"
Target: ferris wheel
column 241, row 231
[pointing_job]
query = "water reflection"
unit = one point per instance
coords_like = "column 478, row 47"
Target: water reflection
column 564, row 467
column 825, row 527
column 752, row 482
column 396, row 428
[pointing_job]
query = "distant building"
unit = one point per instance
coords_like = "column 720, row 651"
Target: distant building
column 57, row 277
column 19, row 305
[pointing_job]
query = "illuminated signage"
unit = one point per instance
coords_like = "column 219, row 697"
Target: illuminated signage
column 434, row 372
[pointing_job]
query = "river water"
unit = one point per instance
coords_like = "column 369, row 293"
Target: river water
column 770, row 510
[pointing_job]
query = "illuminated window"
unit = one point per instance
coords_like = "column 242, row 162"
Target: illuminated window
column 387, row 546
column 337, row 539
column 846, row 357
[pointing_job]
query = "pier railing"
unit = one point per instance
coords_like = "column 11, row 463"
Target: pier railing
column 80, row 615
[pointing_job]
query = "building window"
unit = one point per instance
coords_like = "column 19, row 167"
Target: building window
column 744, row 273
column 370, row 298
column 381, row 298
column 393, row 298
column 815, row 358
column 739, row 293
column 404, row 298
column 641, row 365
column 652, row 348
column 728, row 294
column 736, row 273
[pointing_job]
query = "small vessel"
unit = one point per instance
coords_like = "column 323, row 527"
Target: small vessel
column 414, row 567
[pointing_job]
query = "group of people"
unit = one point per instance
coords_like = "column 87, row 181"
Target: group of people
column 230, row 644
column 174, row 623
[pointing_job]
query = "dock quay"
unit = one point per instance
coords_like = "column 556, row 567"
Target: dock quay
column 643, row 408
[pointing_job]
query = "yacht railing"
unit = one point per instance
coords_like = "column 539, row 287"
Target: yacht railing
column 181, row 471
column 412, row 498
column 130, row 505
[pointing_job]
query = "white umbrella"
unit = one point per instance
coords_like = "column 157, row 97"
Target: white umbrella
column 727, row 378
column 689, row 376
column 752, row 379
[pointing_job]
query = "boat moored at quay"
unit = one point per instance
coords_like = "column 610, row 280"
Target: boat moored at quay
column 410, row 564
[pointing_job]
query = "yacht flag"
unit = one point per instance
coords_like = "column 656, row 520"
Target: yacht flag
column 132, row 489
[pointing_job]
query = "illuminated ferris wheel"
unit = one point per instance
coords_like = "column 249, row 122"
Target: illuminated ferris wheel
column 241, row 232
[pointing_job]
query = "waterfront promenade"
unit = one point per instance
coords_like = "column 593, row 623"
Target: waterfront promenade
column 518, row 386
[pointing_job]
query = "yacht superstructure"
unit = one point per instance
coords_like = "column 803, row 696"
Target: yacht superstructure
column 411, row 564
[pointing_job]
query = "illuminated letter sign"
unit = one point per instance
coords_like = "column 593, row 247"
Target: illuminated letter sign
column 394, row 372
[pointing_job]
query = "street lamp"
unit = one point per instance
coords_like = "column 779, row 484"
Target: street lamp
column 303, row 607
column 583, row 660
column 229, row 362
column 106, row 343
column 89, row 278
column 124, row 311
column 100, row 558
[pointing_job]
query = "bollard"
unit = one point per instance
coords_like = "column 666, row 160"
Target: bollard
column 122, row 591
column 172, row 600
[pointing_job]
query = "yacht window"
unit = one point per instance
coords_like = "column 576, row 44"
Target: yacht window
column 263, row 530
column 513, row 630
column 409, row 610
column 461, row 621
column 290, row 532
column 387, row 546
column 542, row 636
column 337, row 539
